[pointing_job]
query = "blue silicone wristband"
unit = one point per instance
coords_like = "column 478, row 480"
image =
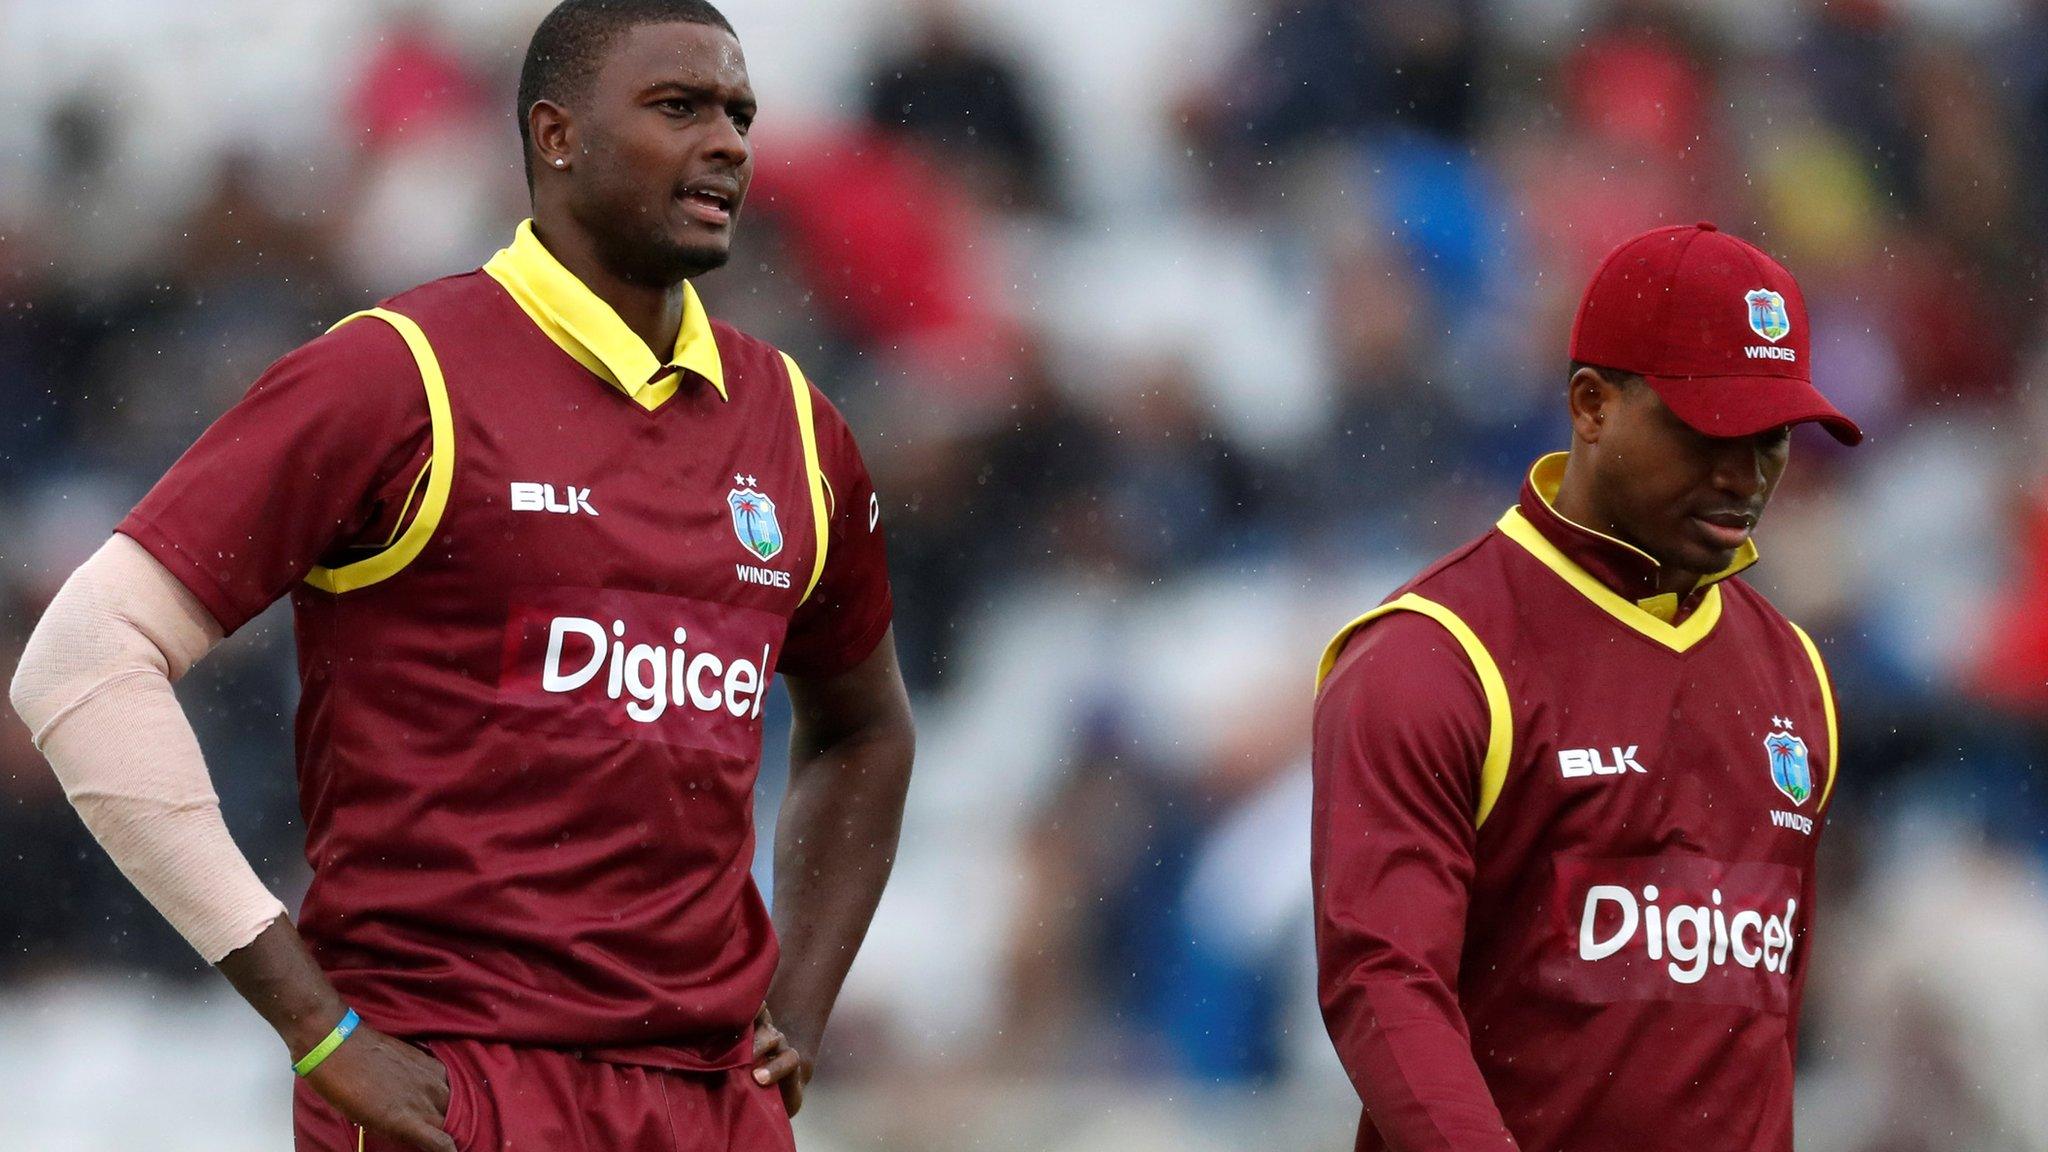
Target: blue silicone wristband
column 326, row 1047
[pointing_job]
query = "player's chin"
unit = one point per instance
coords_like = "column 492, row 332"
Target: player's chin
column 696, row 253
column 1696, row 555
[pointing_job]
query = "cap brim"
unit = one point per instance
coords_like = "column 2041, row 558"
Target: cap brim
column 1747, row 405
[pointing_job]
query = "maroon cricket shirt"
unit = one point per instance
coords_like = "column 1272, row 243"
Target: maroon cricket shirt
column 1563, row 850
column 541, row 582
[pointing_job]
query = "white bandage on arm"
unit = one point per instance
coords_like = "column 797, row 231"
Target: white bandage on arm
column 94, row 686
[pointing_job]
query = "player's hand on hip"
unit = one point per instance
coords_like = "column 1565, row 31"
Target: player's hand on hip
column 389, row 1087
column 776, row 1061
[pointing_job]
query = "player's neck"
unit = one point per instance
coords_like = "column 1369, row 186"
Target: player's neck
column 1577, row 502
column 653, row 312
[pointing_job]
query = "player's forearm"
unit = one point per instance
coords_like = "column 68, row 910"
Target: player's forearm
column 277, row 975
column 1413, row 1067
column 1387, row 983
column 835, row 844
column 94, row 687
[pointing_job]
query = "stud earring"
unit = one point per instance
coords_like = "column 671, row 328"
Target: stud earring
column 561, row 163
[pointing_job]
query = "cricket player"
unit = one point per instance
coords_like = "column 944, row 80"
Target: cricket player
column 549, row 532
column 1569, row 781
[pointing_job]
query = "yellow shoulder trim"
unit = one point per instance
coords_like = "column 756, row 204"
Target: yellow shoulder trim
column 1500, row 735
column 1827, row 705
column 411, row 494
column 1677, row 637
column 440, row 471
column 807, row 427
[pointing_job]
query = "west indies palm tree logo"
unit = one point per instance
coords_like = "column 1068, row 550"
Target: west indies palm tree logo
column 1767, row 315
column 1789, row 761
column 753, row 519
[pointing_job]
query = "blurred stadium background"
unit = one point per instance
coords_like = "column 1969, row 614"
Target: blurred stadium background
column 1175, row 331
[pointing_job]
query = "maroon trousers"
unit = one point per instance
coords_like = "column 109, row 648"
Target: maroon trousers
column 507, row 1099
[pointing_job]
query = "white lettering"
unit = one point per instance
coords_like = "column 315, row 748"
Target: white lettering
column 649, row 677
column 766, row 577
column 1792, row 820
column 742, row 680
column 1614, row 760
column 1747, row 920
column 650, row 695
column 530, row 497
column 551, row 678
column 1694, row 953
column 1590, row 949
column 707, row 701
column 1766, row 352
column 1778, row 935
column 615, row 684
column 678, row 691
column 1689, row 938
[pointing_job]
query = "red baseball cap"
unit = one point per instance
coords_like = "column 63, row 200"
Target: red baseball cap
column 1715, row 327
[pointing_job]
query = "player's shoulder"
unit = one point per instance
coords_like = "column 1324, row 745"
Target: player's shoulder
column 1415, row 620
column 362, row 363
column 352, row 359
column 383, row 345
column 1422, row 620
column 1399, row 661
column 460, row 298
column 1743, row 601
column 744, row 354
column 1397, row 637
column 1470, row 562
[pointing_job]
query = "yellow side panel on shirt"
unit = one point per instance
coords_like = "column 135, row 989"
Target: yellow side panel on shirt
column 440, row 471
column 1827, row 704
column 1500, row 734
column 807, row 425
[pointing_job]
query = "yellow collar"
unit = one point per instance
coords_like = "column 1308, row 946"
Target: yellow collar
column 1574, row 552
column 1547, row 475
column 588, row 329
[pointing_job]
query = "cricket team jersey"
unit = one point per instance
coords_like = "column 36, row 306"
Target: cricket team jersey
column 541, row 582
column 1563, row 849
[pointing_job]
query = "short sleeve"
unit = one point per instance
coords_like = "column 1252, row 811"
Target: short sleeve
column 302, row 469
column 850, row 609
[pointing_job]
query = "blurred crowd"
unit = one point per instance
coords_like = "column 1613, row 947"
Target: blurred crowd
column 1173, row 339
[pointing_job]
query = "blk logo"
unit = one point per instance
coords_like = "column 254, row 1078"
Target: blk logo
column 1612, row 761
column 530, row 497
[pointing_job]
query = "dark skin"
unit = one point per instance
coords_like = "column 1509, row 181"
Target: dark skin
column 621, row 180
column 849, row 771
column 1640, row 474
column 653, row 168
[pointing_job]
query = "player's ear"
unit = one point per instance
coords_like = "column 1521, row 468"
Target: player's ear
column 553, row 133
column 1592, row 399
